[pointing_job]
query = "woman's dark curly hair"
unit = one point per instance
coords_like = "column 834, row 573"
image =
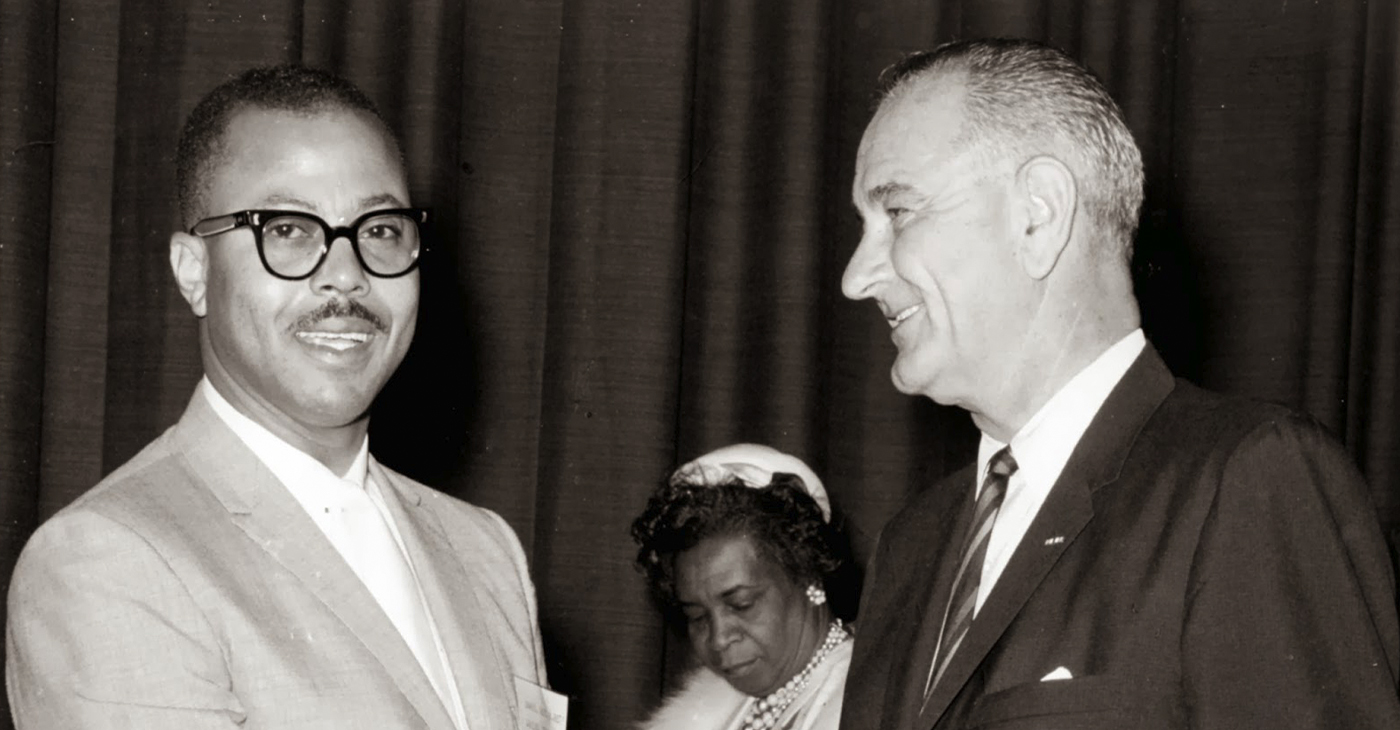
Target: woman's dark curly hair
column 784, row 522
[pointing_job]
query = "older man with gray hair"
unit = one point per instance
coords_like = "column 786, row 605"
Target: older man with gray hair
column 1128, row 550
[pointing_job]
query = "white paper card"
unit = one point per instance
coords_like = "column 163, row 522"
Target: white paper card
column 540, row 707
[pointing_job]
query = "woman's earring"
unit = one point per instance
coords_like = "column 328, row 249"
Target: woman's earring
column 816, row 595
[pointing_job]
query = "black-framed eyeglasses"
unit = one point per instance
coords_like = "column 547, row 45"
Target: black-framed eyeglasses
column 293, row 244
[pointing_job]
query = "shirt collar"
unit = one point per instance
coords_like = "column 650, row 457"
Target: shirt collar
column 1044, row 444
column 290, row 465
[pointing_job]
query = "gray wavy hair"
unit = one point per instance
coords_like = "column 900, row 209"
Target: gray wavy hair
column 1025, row 98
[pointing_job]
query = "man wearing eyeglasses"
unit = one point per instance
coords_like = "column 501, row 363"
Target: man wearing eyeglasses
column 255, row 566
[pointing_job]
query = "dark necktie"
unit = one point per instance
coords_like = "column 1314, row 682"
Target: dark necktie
column 958, row 617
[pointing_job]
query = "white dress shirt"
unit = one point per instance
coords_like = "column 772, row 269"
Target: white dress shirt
column 335, row 503
column 1041, row 449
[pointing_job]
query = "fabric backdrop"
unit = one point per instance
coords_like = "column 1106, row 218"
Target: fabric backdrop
column 645, row 212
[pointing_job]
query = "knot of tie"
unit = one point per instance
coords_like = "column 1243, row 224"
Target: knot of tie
column 1003, row 464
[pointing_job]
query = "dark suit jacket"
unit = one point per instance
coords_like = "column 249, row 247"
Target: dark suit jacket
column 1202, row 562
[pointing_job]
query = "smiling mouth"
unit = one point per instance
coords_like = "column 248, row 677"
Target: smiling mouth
column 334, row 340
column 903, row 314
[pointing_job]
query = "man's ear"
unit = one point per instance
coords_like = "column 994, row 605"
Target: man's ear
column 1050, row 198
column 189, row 259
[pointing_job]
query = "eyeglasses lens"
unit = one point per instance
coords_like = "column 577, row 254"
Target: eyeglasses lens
column 389, row 243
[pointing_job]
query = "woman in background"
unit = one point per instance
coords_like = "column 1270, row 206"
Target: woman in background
column 738, row 546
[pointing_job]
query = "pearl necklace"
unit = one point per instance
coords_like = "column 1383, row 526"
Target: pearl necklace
column 765, row 713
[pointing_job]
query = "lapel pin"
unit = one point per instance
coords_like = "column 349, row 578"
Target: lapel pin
column 1056, row 540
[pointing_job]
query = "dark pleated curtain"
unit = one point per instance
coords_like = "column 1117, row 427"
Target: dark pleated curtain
column 644, row 212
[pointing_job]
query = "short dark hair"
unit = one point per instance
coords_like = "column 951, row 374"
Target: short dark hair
column 784, row 522
column 288, row 87
column 1026, row 97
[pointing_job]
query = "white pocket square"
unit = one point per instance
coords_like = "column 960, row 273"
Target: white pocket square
column 1059, row 673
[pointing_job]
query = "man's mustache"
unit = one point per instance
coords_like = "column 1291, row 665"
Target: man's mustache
column 344, row 308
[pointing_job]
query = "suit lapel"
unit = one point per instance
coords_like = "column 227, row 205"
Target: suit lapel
column 454, row 605
column 946, row 521
column 272, row 518
column 1065, row 513
column 1096, row 461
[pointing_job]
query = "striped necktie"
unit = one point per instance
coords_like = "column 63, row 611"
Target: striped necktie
column 957, row 617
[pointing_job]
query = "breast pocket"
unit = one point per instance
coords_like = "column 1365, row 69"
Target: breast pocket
column 1082, row 703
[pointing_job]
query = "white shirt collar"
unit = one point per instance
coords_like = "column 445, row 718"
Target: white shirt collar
column 1042, row 448
column 1044, row 444
column 290, row 465
column 325, row 497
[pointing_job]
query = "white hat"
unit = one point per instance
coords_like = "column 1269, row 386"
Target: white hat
column 754, row 465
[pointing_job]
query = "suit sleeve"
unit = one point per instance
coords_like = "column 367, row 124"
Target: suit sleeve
column 102, row 634
column 862, row 703
column 1291, row 617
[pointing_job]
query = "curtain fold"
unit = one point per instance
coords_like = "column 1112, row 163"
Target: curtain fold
column 642, row 212
column 27, row 145
column 1373, row 368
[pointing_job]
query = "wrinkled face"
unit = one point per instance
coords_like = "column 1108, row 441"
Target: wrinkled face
column 298, row 356
column 747, row 620
column 936, row 251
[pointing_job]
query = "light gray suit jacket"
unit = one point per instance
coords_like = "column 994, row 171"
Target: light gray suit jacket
column 190, row 590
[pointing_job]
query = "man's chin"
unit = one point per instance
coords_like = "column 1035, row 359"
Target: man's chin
column 906, row 380
column 920, row 383
column 335, row 408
